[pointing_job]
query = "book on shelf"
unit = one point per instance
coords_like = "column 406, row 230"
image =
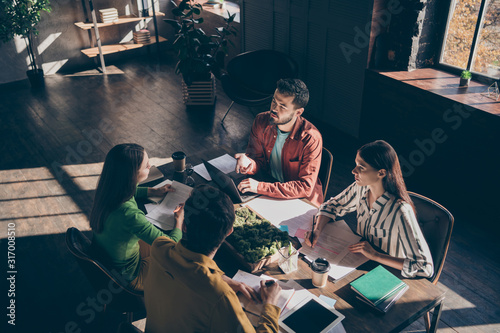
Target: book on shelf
column 108, row 15
column 379, row 288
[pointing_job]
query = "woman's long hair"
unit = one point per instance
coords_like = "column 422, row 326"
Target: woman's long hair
column 380, row 155
column 117, row 183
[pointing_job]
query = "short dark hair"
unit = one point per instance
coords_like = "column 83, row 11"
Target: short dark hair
column 208, row 217
column 294, row 87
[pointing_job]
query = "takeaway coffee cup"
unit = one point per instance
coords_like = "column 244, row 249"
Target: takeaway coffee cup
column 179, row 161
column 320, row 268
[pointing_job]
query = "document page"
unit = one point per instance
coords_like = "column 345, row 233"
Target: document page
column 293, row 213
column 333, row 245
column 163, row 215
column 225, row 163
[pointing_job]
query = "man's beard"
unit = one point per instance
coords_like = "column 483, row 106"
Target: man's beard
column 273, row 121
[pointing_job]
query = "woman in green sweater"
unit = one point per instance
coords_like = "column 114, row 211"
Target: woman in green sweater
column 121, row 231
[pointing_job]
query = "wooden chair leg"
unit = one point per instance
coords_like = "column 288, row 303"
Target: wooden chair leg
column 427, row 319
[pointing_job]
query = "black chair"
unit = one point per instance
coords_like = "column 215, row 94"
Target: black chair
column 325, row 170
column 436, row 223
column 250, row 78
column 123, row 298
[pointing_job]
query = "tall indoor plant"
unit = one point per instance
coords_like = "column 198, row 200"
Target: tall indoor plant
column 20, row 17
column 199, row 53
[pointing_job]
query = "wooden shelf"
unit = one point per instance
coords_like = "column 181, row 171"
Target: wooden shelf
column 121, row 20
column 114, row 48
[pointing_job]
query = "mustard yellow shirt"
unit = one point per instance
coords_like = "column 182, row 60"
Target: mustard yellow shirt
column 184, row 292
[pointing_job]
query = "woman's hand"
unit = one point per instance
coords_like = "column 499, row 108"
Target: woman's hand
column 179, row 216
column 365, row 249
column 321, row 221
column 308, row 238
column 243, row 288
column 160, row 191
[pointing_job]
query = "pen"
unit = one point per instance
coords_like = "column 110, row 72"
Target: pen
column 312, row 231
column 269, row 283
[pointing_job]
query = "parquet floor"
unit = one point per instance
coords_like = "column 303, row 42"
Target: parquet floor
column 53, row 143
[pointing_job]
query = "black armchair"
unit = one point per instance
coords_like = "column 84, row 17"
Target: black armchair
column 250, row 78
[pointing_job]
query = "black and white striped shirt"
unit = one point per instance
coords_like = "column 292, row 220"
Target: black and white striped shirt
column 391, row 226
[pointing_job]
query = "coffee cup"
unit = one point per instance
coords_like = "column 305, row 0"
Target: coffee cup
column 179, row 158
column 320, row 268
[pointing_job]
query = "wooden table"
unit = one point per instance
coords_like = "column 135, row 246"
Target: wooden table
column 421, row 297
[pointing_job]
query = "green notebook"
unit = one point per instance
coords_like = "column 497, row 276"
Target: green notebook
column 377, row 285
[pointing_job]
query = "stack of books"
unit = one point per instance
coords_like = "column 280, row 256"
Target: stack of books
column 379, row 288
column 142, row 36
column 108, row 15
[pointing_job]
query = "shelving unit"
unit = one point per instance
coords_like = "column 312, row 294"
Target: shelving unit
column 101, row 50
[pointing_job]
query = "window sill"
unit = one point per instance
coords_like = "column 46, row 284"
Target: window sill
column 446, row 85
column 232, row 7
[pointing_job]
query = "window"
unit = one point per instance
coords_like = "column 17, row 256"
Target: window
column 472, row 37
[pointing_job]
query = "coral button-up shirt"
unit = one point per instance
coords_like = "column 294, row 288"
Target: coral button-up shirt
column 300, row 159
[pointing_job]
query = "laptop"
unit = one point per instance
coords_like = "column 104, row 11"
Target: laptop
column 228, row 183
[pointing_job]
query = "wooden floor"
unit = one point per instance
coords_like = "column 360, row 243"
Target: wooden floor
column 53, row 143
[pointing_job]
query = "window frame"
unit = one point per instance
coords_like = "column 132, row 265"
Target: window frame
column 481, row 77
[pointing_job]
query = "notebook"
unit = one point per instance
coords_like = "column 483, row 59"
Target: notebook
column 379, row 288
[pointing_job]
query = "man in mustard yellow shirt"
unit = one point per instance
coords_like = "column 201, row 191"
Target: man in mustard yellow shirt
column 185, row 291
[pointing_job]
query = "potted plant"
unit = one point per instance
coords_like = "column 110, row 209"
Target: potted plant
column 465, row 78
column 200, row 54
column 19, row 17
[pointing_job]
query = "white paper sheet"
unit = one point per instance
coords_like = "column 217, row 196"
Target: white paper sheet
column 225, row 163
column 333, row 245
column 159, row 199
column 163, row 215
column 293, row 213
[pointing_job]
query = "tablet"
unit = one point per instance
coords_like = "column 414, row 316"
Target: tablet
column 310, row 316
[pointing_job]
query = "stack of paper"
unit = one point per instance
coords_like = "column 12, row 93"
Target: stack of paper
column 163, row 214
column 108, row 15
column 142, row 36
column 225, row 163
column 379, row 288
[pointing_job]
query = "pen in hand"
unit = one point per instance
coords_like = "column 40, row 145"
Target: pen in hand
column 269, row 283
column 312, row 231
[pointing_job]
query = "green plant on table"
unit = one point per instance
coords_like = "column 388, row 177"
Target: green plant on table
column 20, row 17
column 255, row 238
column 199, row 53
column 465, row 75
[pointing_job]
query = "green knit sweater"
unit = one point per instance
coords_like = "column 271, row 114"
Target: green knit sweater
column 121, row 233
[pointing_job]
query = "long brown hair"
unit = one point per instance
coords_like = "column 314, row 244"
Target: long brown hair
column 380, row 155
column 117, row 183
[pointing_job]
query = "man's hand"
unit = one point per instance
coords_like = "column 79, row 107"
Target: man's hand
column 248, row 185
column 243, row 163
column 245, row 289
column 365, row 249
column 160, row 191
column 179, row 216
column 269, row 293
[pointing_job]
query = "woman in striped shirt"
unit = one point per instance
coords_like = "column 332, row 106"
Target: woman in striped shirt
column 385, row 213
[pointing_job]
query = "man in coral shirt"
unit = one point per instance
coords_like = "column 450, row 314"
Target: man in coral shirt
column 286, row 146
